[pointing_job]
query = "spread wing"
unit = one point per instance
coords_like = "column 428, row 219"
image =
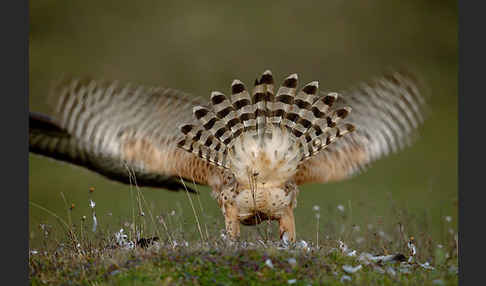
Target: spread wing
column 386, row 113
column 128, row 133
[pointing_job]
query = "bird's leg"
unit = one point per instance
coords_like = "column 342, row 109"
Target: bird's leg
column 231, row 220
column 287, row 225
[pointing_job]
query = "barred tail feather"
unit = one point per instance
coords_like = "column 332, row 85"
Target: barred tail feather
column 283, row 100
column 225, row 110
column 262, row 93
column 245, row 110
column 303, row 121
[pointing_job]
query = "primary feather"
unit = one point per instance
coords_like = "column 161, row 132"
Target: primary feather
column 122, row 131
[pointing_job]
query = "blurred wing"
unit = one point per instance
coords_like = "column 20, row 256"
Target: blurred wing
column 386, row 113
column 127, row 133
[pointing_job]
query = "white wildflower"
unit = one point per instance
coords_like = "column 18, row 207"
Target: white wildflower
column 269, row 263
column 95, row 222
column 350, row 269
column 92, row 204
column 367, row 258
column 426, row 265
column 345, row 278
column 172, row 213
column 316, row 208
column 223, row 235
column 303, row 245
column 345, row 250
column 292, row 281
column 411, row 247
column 439, row 246
column 34, row 252
column 342, row 246
column 45, row 228
column 448, row 219
column 340, row 208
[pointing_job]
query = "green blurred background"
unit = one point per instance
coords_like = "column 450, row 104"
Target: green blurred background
column 200, row 46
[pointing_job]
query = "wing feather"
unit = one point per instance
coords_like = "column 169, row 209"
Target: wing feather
column 386, row 113
column 120, row 129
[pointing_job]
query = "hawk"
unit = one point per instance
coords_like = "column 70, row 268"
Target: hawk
column 253, row 148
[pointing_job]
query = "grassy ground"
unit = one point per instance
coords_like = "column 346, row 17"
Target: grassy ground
column 80, row 251
column 207, row 266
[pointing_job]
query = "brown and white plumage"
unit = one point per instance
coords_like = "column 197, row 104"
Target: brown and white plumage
column 386, row 112
column 253, row 148
column 114, row 129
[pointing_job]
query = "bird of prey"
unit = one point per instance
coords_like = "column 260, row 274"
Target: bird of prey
column 253, row 148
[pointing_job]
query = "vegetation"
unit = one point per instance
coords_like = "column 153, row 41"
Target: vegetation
column 148, row 250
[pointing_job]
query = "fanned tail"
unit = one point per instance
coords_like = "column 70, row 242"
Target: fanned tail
column 303, row 122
